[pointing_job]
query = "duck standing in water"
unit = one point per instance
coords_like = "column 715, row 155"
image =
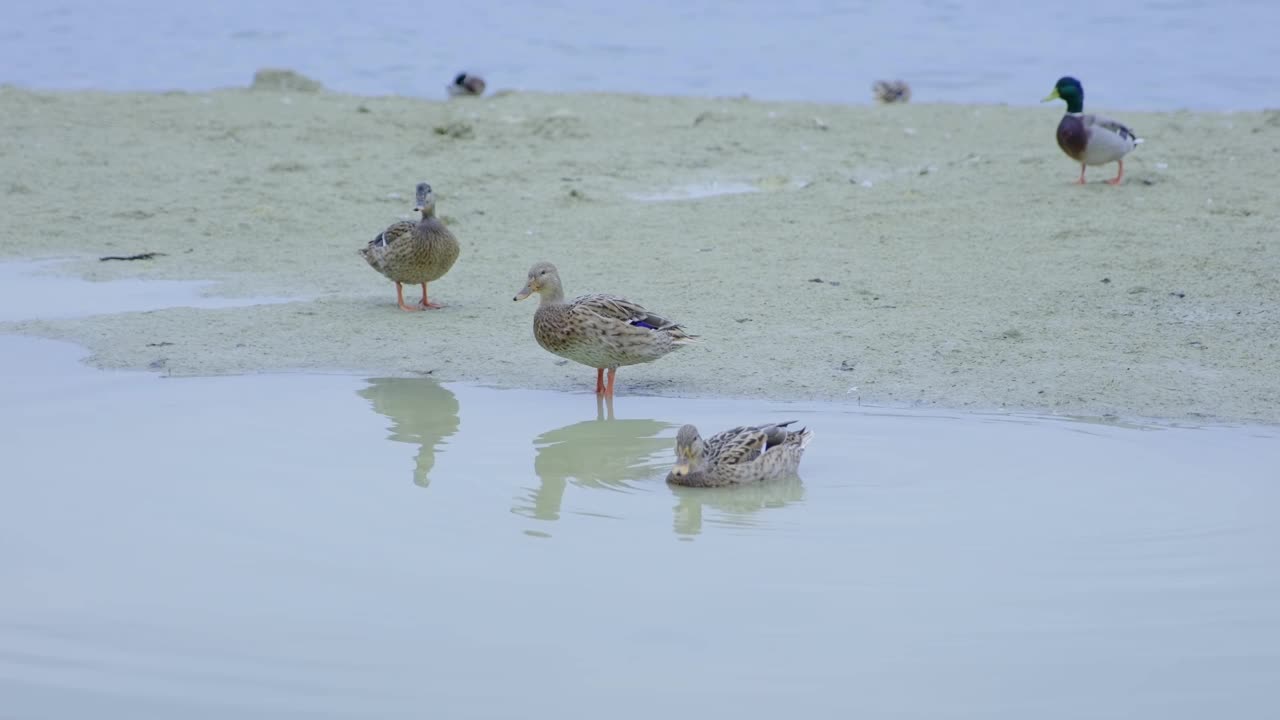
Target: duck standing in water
column 1090, row 139
column 414, row 253
column 746, row 454
column 599, row 331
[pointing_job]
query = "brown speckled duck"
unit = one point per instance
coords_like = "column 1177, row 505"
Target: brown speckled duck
column 414, row 253
column 599, row 331
column 742, row 455
column 891, row 91
column 1090, row 139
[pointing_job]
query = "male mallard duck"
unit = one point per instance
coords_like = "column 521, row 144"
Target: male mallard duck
column 466, row 84
column 1090, row 139
column 891, row 91
column 414, row 253
column 599, row 331
column 735, row 457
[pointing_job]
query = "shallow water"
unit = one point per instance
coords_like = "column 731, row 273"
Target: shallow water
column 285, row 545
column 33, row 290
column 1158, row 54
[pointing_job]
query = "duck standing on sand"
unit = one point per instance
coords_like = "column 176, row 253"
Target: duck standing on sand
column 739, row 456
column 891, row 91
column 414, row 253
column 599, row 331
column 1090, row 139
column 466, row 84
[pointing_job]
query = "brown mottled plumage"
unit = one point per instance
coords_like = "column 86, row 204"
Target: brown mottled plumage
column 599, row 331
column 414, row 253
column 745, row 454
column 891, row 91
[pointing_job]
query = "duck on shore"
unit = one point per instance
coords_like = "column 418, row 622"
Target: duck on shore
column 1090, row 139
column 414, row 253
column 600, row 331
column 466, row 84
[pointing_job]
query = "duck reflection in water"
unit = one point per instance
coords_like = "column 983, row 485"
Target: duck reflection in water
column 602, row 453
column 738, row 504
column 422, row 412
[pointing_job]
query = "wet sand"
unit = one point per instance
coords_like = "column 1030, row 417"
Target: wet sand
column 905, row 255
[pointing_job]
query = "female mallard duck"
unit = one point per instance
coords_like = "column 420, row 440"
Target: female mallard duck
column 1090, row 139
column 735, row 457
column 599, row 331
column 414, row 253
column 466, row 84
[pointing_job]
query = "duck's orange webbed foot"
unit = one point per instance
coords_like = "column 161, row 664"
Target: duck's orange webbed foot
column 400, row 300
column 1120, row 176
column 427, row 304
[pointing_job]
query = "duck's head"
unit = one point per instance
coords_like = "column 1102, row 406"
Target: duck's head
column 543, row 279
column 424, row 199
column 1069, row 89
column 689, row 448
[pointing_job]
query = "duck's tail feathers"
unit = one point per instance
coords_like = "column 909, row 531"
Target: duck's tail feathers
column 805, row 436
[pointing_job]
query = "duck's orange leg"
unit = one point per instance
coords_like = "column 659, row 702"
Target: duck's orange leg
column 1081, row 180
column 400, row 299
column 599, row 381
column 609, row 390
column 1116, row 180
column 427, row 304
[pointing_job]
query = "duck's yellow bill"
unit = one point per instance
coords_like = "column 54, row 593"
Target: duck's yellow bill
column 524, row 293
column 1052, row 96
column 680, row 470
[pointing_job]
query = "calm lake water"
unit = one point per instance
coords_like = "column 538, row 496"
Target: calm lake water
column 1157, row 54
column 277, row 546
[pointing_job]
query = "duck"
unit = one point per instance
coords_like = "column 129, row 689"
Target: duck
column 466, row 84
column 601, row 331
column 738, row 456
column 414, row 253
column 1090, row 139
column 891, row 91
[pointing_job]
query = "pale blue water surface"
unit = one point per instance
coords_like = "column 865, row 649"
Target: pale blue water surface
column 276, row 546
column 1147, row 54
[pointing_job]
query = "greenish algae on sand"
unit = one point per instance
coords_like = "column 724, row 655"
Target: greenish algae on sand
column 918, row 254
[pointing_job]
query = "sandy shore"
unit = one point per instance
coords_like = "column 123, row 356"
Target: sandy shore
column 934, row 255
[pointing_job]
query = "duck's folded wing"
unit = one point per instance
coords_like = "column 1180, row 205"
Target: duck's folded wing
column 1116, row 127
column 778, row 433
column 394, row 232
column 737, row 446
column 622, row 310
